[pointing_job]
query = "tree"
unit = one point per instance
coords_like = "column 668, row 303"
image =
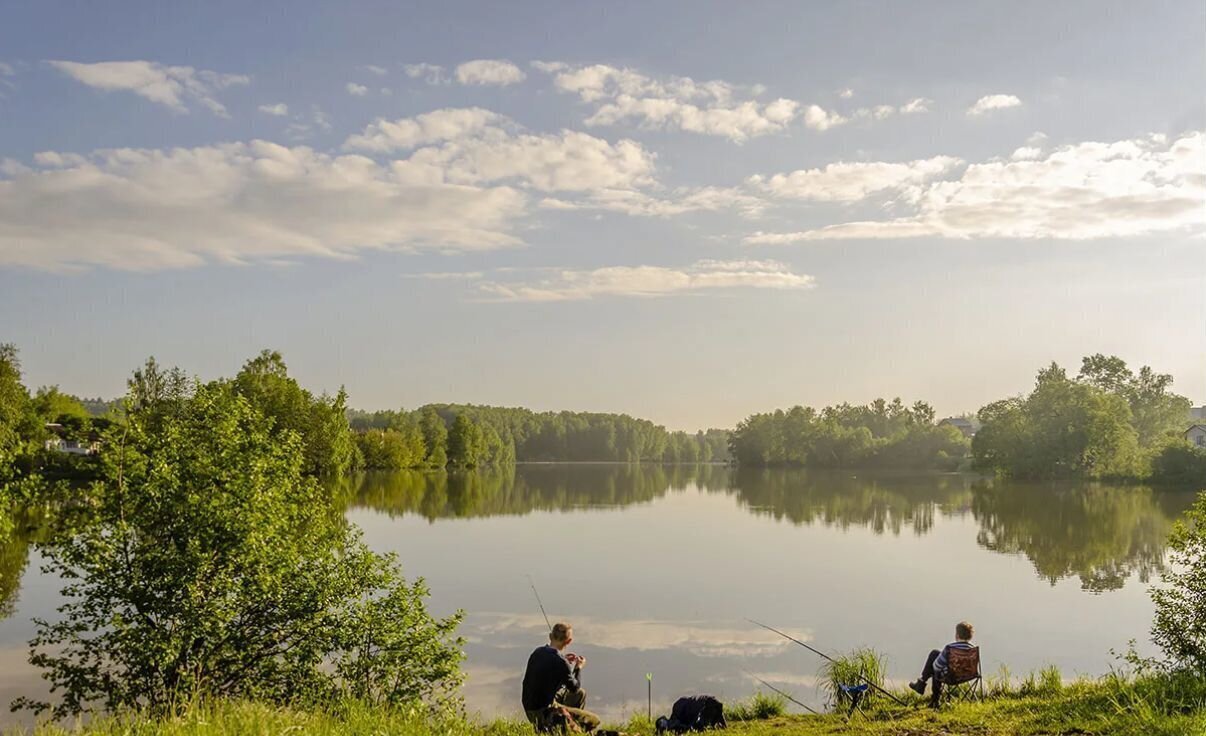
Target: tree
column 435, row 437
column 1179, row 626
column 320, row 421
column 1064, row 428
column 210, row 566
column 1156, row 411
column 466, row 442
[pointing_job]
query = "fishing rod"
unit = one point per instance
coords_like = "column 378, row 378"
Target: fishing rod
column 540, row 603
column 823, row 655
column 772, row 687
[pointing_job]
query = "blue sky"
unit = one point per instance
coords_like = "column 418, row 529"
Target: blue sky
column 684, row 211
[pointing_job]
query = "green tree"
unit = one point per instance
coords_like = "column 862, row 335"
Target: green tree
column 210, row 566
column 1064, row 428
column 435, row 437
column 1156, row 412
column 1179, row 627
column 320, row 421
column 466, row 442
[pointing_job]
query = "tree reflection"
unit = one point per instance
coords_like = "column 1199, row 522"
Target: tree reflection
column 1102, row 534
column 879, row 501
column 29, row 526
column 508, row 491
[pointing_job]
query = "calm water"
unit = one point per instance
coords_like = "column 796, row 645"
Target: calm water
column 657, row 568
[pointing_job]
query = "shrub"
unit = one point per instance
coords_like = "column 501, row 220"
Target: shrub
column 1179, row 626
column 759, row 707
column 863, row 665
column 211, row 567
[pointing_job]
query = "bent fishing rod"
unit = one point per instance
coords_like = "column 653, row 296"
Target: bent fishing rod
column 772, row 687
column 825, row 656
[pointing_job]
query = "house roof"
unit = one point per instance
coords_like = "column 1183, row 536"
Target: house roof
column 1196, row 426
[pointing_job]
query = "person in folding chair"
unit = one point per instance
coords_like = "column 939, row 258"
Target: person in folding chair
column 957, row 663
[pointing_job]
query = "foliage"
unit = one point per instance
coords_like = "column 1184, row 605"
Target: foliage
column 863, row 665
column 466, row 443
column 1156, row 412
column 1179, row 627
column 514, row 434
column 1064, row 428
column 1179, row 463
column 879, row 434
column 320, row 421
column 210, row 566
column 759, row 707
column 390, row 449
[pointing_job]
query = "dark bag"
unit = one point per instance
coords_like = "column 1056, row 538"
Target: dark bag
column 694, row 713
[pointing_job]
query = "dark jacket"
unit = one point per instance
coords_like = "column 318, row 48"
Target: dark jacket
column 546, row 674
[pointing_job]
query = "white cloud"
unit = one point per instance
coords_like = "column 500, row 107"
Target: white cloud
column 475, row 146
column 846, row 93
column 1083, row 191
column 169, row 86
column 850, row 182
column 820, row 119
column 650, row 281
column 677, row 202
column 675, row 103
column 429, row 73
column 280, row 109
column 916, row 105
column 235, row 203
column 489, row 72
column 7, row 70
column 383, row 136
column 356, row 90
column 448, row 275
column 380, row 71
column 988, row 103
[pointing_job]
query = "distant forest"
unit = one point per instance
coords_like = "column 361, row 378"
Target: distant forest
column 1106, row 422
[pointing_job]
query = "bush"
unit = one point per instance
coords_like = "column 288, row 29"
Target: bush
column 211, row 567
column 1179, row 626
column 759, row 707
column 1179, row 463
column 863, row 665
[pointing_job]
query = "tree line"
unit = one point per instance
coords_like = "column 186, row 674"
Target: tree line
column 879, row 434
column 465, row 435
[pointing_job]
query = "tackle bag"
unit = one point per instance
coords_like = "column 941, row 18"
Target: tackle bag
column 693, row 713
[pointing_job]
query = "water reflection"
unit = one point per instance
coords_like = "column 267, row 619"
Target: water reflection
column 1100, row 534
column 29, row 527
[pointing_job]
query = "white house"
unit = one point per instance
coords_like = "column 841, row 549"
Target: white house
column 968, row 426
column 59, row 441
column 1196, row 435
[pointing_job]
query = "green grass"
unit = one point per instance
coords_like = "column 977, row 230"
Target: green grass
column 1157, row 705
column 760, row 707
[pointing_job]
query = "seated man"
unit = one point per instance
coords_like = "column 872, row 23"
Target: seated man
column 552, row 689
column 936, row 664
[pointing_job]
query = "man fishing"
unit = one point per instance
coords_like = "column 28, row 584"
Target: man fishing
column 552, row 687
column 936, row 663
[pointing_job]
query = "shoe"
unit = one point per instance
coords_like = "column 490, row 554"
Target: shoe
column 917, row 686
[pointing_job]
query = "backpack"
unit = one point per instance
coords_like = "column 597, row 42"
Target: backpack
column 693, row 713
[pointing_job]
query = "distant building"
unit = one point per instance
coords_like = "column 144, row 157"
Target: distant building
column 60, row 442
column 1196, row 435
column 965, row 425
column 1197, row 413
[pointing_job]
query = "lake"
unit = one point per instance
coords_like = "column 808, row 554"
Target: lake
column 658, row 569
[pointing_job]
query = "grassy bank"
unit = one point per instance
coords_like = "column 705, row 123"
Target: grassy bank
column 1127, row 707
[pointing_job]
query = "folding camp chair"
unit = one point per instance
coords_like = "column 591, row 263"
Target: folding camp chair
column 962, row 678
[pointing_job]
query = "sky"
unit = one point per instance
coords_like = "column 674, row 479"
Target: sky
column 685, row 211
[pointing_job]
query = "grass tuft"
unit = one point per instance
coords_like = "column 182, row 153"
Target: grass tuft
column 760, row 707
